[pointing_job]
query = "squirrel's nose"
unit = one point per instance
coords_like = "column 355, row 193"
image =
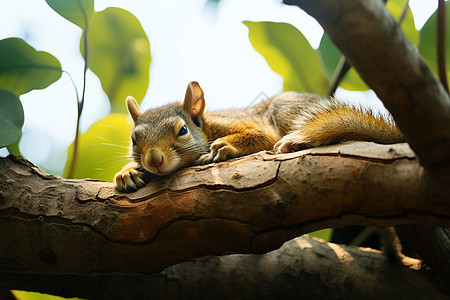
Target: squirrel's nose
column 155, row 158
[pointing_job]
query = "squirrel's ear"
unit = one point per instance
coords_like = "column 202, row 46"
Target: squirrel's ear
column 194, row 102
column 133, row 108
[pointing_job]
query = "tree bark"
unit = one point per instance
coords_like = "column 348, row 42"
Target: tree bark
column 302, row 268
column 247, row 205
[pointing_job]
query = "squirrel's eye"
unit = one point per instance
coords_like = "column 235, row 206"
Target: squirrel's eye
column 133, row 142
column 183, row 130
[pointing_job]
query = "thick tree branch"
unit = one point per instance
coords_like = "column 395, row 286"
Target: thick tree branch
column 302, row 268
column 248, row 205
column 374, row 44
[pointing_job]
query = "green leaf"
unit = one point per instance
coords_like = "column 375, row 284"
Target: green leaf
column 11, row 118
column 23, row 69
column 395, row 7
column 103, row 150
column 428, row 42
column 289, row 54
column 14, row 147
column 23, row 295
column 76, row 11
column 119, row 54
column 324, row 234
column 330, row 54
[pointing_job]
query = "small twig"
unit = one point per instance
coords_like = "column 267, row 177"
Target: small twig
column 403, row 15
column 73, row 84
column 441, row 44
column 80, row 106
column 341, row 69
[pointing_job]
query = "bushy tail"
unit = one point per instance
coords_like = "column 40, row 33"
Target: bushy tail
column 330, row 122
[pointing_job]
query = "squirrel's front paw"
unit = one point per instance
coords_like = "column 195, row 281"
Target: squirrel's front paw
column 220, row 150
column 290, row 143
column 129, row 179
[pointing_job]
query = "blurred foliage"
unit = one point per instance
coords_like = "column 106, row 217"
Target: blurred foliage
column 23, row 69
column 428, row 40
column 324, row 234
column 76, row 11
column 22, row 295
column 289, row 54
column 119, row 54
column 11, row 118
column 103, row 149
column 396, row 7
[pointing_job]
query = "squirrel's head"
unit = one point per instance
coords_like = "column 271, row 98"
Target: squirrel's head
column 169, row 137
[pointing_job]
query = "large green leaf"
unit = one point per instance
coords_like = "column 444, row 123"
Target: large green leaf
column 428, row 42
column 23, row 69
column 289, row 54
column 11, row 118
column 119, row 54
column 324, row 234
column 330, row 54
column 103, row 150
column 76, row 11
column 395, row 7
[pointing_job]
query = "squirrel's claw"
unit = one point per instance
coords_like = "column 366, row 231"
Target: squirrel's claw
column 129, row 180
column 220, row 150
column 205, row 159
column 289, row 143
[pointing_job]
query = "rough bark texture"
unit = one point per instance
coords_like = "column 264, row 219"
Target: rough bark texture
column 302, row 268
column 248, row 205
column 370, row 39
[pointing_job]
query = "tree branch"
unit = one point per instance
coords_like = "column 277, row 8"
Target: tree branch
column 247, row 205
column 302, row 268
column 373, row 43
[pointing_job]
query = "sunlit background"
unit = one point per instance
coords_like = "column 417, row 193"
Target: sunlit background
column 189, row 40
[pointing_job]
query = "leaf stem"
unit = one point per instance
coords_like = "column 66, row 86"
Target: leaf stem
column 441, row 44
column 73, row 83
column 341, row 69
column 14, row 148
column 80, row 105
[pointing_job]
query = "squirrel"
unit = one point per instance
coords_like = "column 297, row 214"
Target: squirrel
column 178, row 135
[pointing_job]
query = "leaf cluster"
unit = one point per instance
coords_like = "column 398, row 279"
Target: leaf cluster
column 114, row 47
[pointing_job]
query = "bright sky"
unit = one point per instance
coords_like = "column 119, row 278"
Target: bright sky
column 188, row 41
